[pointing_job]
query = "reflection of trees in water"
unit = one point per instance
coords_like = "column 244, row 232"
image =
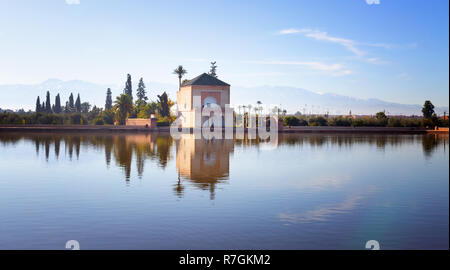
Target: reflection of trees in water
column 71, row 143
column 108, row 142
column 57, row 142
column 430, row 143
column 123, row 154
column 47, row 147
column 348, row 140
column 203, row 163
column 120, row 147
column 143, row 146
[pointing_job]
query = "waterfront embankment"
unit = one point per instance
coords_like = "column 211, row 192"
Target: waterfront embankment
column 131, row 129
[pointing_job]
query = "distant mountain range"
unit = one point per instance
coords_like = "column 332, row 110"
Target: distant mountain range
column 297, row 99
column 290, row 98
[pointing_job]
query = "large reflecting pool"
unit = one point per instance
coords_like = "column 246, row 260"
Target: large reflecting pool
column 147, row 191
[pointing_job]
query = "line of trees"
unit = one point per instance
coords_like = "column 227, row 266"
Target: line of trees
column 124, row 106
column 70, row 107
column 76, row 112
column 429, row 120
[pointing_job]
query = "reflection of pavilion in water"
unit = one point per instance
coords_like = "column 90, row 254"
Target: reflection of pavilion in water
column 203, row 162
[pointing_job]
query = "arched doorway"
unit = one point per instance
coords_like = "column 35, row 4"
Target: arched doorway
column 211, row 102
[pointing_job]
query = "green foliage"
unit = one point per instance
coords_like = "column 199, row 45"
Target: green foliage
column 428, row 109
column 78, row 104
column 99, row 121
column 108, row 116
column 164, row 121
column 340, row 121
column 42, row 119
column 381, row 115
column 180, row 71
column 163, row 104
column 10, row 118
column 66, row 108
column 48, row 106
column 85, row 107
column 141, row 92
column 394, row 122
column 213, row 69
column 38, row 104
column 443, row 122
column 123, row 107
column 128, row 90
column 94, row 113
column 146, row 110
column 76, row 119
column 432, row 121
column 369, row 122
column 71, row 104
column 294, row 121
column 108, row 102
column 317, row 121
column 57, row 108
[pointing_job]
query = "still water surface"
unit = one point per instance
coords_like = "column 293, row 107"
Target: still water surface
column 152, row 192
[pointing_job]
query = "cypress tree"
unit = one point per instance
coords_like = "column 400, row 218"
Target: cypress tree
column 71, row 103
column 38, row 104
column 67, row 107
column 57, row 108
column 141, row 93
column 108, row 103
column 78, row 104
column 48, row 106
column 128, row 88
column 163, row 103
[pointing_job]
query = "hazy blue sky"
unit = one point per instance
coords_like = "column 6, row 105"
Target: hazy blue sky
column 395, row 50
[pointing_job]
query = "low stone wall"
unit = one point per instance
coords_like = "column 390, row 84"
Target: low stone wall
column 335, row 129
column 438, row 130
column 74, row 128
column 139, row 128
column 138, row 122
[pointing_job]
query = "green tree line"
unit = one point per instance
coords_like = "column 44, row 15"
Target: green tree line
column 77, row 112
column 429, row 120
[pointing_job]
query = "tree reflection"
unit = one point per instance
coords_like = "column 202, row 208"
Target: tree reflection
column 430, row 143
column 203, row 164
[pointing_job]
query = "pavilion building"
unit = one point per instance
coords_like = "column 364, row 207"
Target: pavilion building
column 209, row 90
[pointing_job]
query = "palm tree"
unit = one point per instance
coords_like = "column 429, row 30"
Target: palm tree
column 123, row 106
column 180, row 71
column 259, row 107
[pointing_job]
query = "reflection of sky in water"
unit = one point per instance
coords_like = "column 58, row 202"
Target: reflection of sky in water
column 147, row 191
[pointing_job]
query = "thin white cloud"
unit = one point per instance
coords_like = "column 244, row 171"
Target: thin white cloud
column 73, row 2
column 289, row 31
column 349, row 44
column 333, row 69
column 380, row 45
column 373, row 2
column 323, row 36
column 374, row 60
